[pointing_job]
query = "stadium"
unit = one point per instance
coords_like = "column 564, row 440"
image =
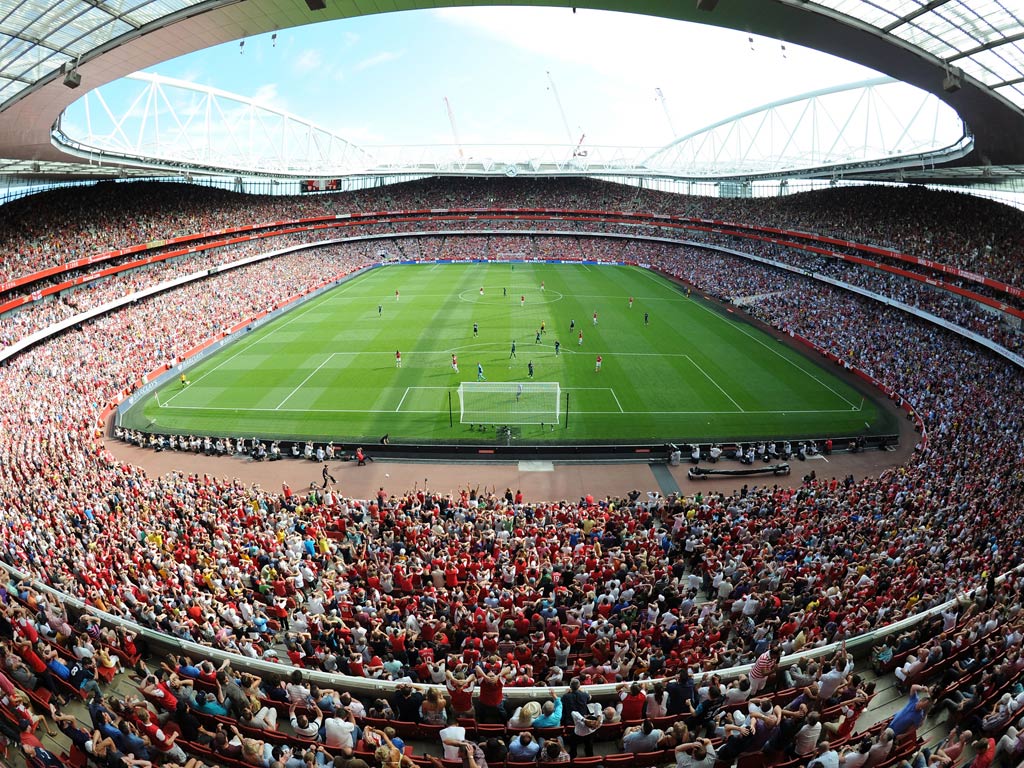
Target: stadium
column 323, row 454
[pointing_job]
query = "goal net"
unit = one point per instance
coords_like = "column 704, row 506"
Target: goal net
column 509, row 402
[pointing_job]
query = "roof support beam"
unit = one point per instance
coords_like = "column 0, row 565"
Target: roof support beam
column 1015, row 81
column 100, row 5
column 927, row 8
column 996, row 119
column 991, row 45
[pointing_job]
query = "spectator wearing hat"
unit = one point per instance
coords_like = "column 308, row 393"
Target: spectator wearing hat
column 522, row 719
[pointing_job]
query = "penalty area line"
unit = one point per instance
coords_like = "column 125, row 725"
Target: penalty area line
column 739, row 327
column 719, row 386
column 266, row 334
column 303, row 382
column 616, row 400
column 399, row 406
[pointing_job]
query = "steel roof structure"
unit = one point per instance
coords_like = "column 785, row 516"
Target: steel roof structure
column 967, row 52
column 183, row 125
column 169, row 125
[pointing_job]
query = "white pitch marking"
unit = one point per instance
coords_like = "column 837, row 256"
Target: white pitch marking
column 303, row 382
column 616, row 399
column 523, row 288
column 538, row 298
column 504, row 347
column 574, row 389
column 739, row 327
column 399, row 406
column 444, row 410
column 263, row 338
column 708, row 377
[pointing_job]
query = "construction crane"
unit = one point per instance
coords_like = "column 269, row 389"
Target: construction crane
column 455, row 130
column 579, row 151
column 664, row 106
column 561, row 110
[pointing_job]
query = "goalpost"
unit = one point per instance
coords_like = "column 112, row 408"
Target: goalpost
column 509, row 402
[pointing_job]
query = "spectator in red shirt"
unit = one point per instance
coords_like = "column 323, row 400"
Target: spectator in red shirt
column 984, row 753
column 460, row 690
column 632, row 702
column 491, row 704
column 763, row 669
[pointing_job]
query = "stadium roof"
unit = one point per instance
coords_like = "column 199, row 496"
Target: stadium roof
column 982, row 38
column 969, row 52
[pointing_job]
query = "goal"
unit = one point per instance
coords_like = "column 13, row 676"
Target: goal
column 509, row 402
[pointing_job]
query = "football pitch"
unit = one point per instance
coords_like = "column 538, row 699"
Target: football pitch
column 327, row 370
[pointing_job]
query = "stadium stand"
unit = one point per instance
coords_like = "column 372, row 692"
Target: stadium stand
column 487, row 594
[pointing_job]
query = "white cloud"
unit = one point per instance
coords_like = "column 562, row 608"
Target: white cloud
column 492, row 62
column 706, row 73
column 309, row 60
column 192, row 76
column 377, row 59
column 267, row 95
column 361, row 134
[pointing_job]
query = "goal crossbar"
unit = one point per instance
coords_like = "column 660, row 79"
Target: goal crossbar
column 509, row 402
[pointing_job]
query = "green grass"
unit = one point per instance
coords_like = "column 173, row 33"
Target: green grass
column 327, row 369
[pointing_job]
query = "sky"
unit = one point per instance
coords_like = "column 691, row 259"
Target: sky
column 382, row 80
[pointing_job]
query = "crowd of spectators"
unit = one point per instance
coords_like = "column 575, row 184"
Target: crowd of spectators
column 42, row 314
column 957, row 229
column 153, row 350
column 967, row 313
column 494, row 246
column 94, row 222
column 496, row 590
column 981, row 235
column 957, row 309
column 63, row 225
